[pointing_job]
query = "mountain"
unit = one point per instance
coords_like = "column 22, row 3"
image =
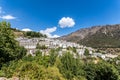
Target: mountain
column 106, row 36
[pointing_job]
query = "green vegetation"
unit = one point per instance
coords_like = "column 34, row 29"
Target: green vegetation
column 9, row 48
column 41, row 46
column 29, row 34
column 17, row 33
column 101, row 71
column 70, row 67
column 86, row 52
column 55, row 67
column 32, row 34
column 15, row 63
column 101, row 40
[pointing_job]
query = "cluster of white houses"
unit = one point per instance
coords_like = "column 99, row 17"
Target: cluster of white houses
column 30, row 45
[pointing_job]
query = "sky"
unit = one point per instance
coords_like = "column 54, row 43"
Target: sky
column 59, row 17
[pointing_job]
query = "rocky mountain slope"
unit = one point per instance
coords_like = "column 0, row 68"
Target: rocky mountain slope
column 96, row 36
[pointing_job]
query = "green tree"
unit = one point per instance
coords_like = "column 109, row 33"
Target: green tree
column 115, row 62
column 106, row 71
column 32, row 34
column 74, row 50
column 38, row 53
column 86, row 53
column 90, row 69
column 71, row 67
column 9, row 47
column 41, row 46
column 101, row 71
column 53, row 56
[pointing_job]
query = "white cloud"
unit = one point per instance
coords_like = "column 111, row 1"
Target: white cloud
column 55, row 36
column 26, row 29
column 66, row 22
column 48, row 32
column 7, row 17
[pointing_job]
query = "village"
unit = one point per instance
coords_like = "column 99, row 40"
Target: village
column 50, row 43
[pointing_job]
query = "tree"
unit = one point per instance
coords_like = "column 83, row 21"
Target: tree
column 71, row 67
column 52, row 57
column 74, row 50
column 38, row 53
column 90, row 70
column 41, row 46
column 101, row 71
column 86, row 53
column 33, row 34
column 9, row 47
column 106, row 71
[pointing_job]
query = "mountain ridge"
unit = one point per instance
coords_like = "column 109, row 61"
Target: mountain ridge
column 96, row 36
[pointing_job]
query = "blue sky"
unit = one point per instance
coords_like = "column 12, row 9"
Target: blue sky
column 59, row 17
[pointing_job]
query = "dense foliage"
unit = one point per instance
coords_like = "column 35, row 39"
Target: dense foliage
column 9, row 48
column 101, row 71
column 32, row 34
column 41, row 46
column 54, row 67
column 71, row 68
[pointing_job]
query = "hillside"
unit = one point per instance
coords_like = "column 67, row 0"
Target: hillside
column 17, row 33
column 29, row 34
column 97, row 36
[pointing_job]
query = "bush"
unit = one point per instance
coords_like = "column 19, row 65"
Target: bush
column 101, row 71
